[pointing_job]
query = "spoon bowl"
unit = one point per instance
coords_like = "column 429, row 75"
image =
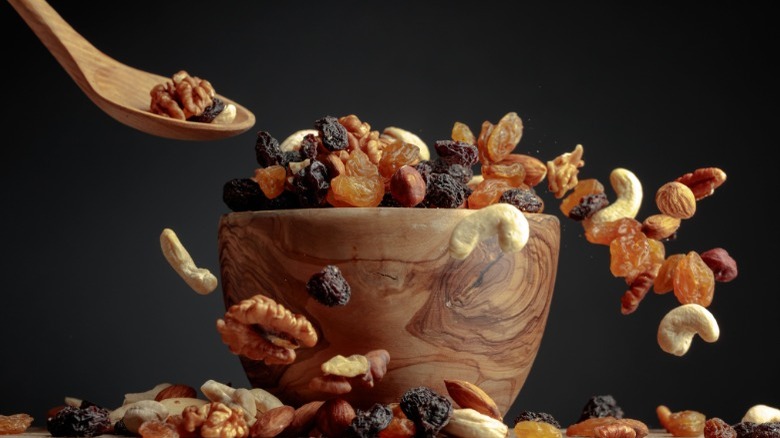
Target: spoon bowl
column 119, row 90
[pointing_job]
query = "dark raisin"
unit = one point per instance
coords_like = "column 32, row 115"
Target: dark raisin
column 767, row 430
column 429, row 411
column 389, row 201
column 457, row 152
column 267, row 150
column 588, row 205
column 243, row 194
column 78, row 422
column 744, row 429
column 121, row 429
column 601, row 406
column 309, row 146
column 461, row 173
column 426, row 169
column 524, row 199
column 537, row 416
column 332, row 133
column 443, row 191
column 290, row 157
column 329, row 287
column 717, row 428
column 311, row 184
column 210, row 112
column 368, row 424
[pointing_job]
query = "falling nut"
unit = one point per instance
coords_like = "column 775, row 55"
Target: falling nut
column 201, row 280
column 675, row 199
column 703, row 181
column 502, row 220
column 468, row 423
column 660, row 226
column 562, row 171
column 628, row 189
column 678, row 327
column 723, row 266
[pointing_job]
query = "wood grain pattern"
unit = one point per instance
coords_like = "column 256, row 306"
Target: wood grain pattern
column 480, row 319
column 119, row 90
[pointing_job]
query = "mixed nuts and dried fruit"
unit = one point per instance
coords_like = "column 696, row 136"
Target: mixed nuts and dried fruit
column 190, row 98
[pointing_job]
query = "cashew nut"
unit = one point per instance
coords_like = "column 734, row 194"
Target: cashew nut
column 408, row 137
column 233, row 397
column 293, row 142
column 144, row 410
column 677, row 328
column 226, row 116
column 146, row 395
column 502, row 220
column 628, row 189
column 264, row 400
column 762, row 414
column 468, row 423
column 199, row 279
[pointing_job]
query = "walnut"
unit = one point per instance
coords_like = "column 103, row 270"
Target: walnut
column 184, row 97
column 255, row 327
column 562, row 171
column 213, row 420
column 360, row 134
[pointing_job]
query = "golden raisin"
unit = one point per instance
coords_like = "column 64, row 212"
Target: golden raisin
column 400, row 426
column 157, row 429
column 356, row 191
column 482, row 140
column 633, row 254
column 462, row 132
column 505, row 136
column 14, row 424
column 488, row 192
column 685, row 423
column 603, row 233
column 358, row 164
column 536, row 429
column 693, row 280
column 514, row 173
column 585, row 427
column 583, row 188
column 271, row 180
column 663, row 280
column 396, row 155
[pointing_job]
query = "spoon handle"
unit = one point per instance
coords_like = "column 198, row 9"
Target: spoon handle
column 69, row 48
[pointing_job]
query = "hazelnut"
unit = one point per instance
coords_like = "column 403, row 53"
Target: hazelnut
column 407, row 186
column 334, row 416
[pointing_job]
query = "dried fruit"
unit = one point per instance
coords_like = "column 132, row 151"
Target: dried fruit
column 514, row 173
column 157, row 429
column 633, row 254
column 400, row 426
column 78, row 422
column 428, row 410
column 525, row 200
column 748, row 429
column 685, row 423
column 329, row 287
column 14, row 424
column 584, row 427
column 210, row 112
column 584, row 188
column 664, row 280
column 332, row 133
column 267, row 150
column 503, row 138
column 242, row 194
column 717, row 428
column 271, row 180
column 368, row 424
column 396, row 155
column 311, row 185
column 603, row 233
column 488, row 192
column 601, row 406
column 536, row 429
column 356, row 191
column 462, row 132
column 457, row 152
column 537, row 416
column 693, row 280
column 443, row 191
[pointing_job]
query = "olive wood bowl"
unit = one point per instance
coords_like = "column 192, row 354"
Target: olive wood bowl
column 480, row 319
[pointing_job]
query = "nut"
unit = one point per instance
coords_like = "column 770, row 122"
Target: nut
column 235, row 398
column 660, row 226
column 724, row 268
column 200, row 280
column 535, row 169
column 468, row 423
column 176, row 406
column 273, row 422
column 355, row 365
column 614, row 430
column 293, row 141
column 176, row 391
column 628, row 189
column 562, row 171
column 214, row 420
column 704, row 181
column 144, row 410
column 407, row 137
column 502, row 220
column 264, row 400
column 762, row 414
column 330, row 384
column 675, row 199
column 334, row 416
column 407, row 186
column 677, row 328
column 470, row 396
column 303, row 419
column 146, row 395
column 636, row 292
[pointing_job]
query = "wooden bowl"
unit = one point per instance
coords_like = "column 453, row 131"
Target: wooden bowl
column 480, row 319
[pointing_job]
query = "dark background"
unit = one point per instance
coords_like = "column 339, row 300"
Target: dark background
column 91, row 309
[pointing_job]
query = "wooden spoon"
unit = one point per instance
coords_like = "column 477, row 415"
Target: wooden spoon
column 119, row 90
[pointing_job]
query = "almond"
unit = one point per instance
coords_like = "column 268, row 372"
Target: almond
column 675, row 199
column 660, row 226
column 535, row 169
column 273, row 421
column 470, row 396
column 334, row 416
column 176, row 391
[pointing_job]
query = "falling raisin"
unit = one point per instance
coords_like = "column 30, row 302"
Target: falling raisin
column 601, row 406
column 462, row 132
column 332, row 133
column 368, row 424
column 457, row 152
column 267, row 150
column 603, row 233
column 633, row 254
column 210, row 112
column 243, row 194
column 525, row 200
column 311, row 185
column 537, row 416
column 588, row 205
column 329, row 287
column 14, row 424
column 443, row 191
column 78, row 422
column 693, row 280
column 429, row 411
column 717, row 428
